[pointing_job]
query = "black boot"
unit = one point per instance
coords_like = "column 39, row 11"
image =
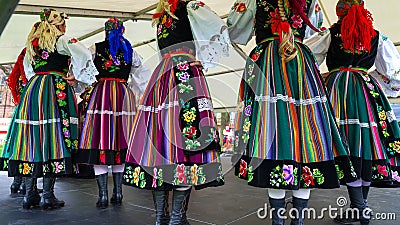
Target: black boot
column 180, row 202
column 60, row 203
column 48, row 200
column 276, row 204
column 102, row 201
column 116, row 198
column 300, row 204
column 16, row 184
column 162, row 209
column 356, row 202
column 22, row 187
column 32, row 197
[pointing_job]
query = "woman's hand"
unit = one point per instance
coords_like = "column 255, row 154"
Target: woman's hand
column 70, row 80
column 198, row 64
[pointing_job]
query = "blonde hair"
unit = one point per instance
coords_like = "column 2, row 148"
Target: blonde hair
column 163, row 6
column 47, row 35
column 287, row 49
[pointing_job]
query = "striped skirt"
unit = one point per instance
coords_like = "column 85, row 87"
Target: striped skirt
column 366, row 118
column 107, row 123
column 173, row 141
column 43, row 130
column 286, row 133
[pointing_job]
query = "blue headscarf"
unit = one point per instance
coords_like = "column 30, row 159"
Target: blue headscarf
column 114, row 34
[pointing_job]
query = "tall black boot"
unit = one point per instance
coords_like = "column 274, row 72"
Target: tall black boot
column 160, row 199
column 48, row 200
column 16, row 184
column 276, row 204
column 180, row 202
column 32, row 197
column 116, row 197
column 102, row 201
column 300, row 204
column 356, row 202
column 60, row 203
column 22, row 187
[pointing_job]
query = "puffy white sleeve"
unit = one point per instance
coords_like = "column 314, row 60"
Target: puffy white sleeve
column 319, row 45
column 241, row 21
column 387, row 63
column 316, row 18
column 28, row 69
column 210, row 34
column 139, row 76
column 83, row 67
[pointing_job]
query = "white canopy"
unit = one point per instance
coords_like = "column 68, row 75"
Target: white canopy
column 88, row 16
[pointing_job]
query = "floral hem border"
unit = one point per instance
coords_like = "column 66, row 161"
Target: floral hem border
column 51, row 168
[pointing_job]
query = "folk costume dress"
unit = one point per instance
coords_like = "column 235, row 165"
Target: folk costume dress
column 110, row 109
column 362, row 111
column 43, row 130
column 173, row 141
column 286, row 133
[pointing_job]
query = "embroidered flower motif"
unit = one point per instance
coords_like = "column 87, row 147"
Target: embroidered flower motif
column 108, row 63
column 154, row 184
column 65, row 122
column 136, row 174
column 58, row 166
column 288, row 174
column 307, row 176
column 394, row 147
column 67, row 134
column 243, row 168
column 383, row 170
column 297, row 21
column 72, row 40
column 190, row 132
column 183, row 76
column 241, row 7
column 395, row 176
column 183, row 66
column 193, row 174
column 191, row 144
column 61, row 86
column 45, row 55
column 180, row 174
column 189, row 116
column 248, row 110
column 196, row 5
column 26, row 169
column 61, row 95
column 246, row 126
column 168, row 24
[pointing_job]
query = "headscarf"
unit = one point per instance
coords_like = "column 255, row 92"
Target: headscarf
column 46, row 33
column 114, row 34
column 356, row 28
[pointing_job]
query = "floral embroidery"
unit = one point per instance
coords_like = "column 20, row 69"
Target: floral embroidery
column 339, row 172
column 180, row 176
column 318, row 176
column 256, row 54
column 137, row 177
column 307, row 177
column 297, row 21
column 190, row 116
column 196, row 5
column 283, row 176
column 26, row 168
column 109, row 64
column 185, row 88
column 166, row 24
column 379, row 172
column 157, row 178
column 183, row 76
column 58, row 167
column 395, row 176
column 193, row 175
column 40, row 61
column 239, row 7
column 191, row 144
column 247, row 125
column 248, row 110
column 190, row 132
column 242, row 168
column 394, row 148
column 72, row 41
column 45, row 55
column 183, row 65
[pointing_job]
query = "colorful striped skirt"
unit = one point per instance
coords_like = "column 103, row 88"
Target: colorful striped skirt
column 107, row 124
column 43, row 130
column 286, row 133
column 366, row 118
column 173, row 141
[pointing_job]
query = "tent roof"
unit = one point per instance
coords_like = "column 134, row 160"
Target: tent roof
column 88, row 16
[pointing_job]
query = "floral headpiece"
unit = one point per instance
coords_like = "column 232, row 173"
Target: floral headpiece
column 113, row 24
column 53, row 16
column 343, row 6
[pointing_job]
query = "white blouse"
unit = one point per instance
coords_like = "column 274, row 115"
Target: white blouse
column 82, row 64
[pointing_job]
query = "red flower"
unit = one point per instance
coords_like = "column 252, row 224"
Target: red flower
column 255, row 56
column 73, row 40
column 201, row 4
column 383, row 125
column 241, row 8
column 180, row 168
column 108, row 63
column 61, row 95
column 243, row 168
column 382, row 170
column 168, row 24
column 182, row 178
column 307, row 176
column 297, row 21
column 191, row 131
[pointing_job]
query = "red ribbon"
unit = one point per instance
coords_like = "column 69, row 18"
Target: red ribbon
column 279, row 26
